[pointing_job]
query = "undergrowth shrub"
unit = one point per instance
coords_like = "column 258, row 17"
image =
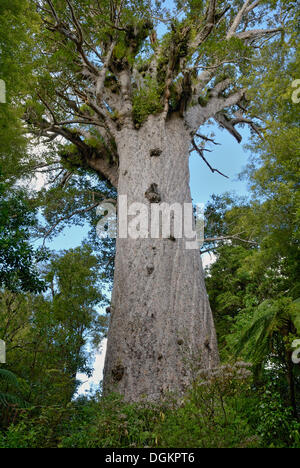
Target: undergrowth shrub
column 221, row 409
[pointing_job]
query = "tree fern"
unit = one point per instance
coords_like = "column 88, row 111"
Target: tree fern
column 8, row 378
column 270, row 318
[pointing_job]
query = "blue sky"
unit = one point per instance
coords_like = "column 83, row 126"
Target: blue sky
column 230, row 158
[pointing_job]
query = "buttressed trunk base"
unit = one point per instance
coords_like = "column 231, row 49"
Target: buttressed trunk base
column 161, row 321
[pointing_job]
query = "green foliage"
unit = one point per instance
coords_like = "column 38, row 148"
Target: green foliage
column 209, row 415
column 221, row 410
column 49, row 337
column 254, row 284
column 8, row 380
column 115, row 424
column 146, row 100
column 18, row 259
column 277, row 426
column 271, row 318
column 19, row 23
column 205, row 417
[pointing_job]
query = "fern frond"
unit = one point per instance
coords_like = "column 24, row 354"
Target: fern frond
column 7, row 399
column 9, row 378
column 254, row 342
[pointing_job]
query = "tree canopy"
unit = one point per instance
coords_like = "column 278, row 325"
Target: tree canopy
column 100, row 67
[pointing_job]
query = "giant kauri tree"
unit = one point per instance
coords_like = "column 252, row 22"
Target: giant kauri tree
column 126, row 85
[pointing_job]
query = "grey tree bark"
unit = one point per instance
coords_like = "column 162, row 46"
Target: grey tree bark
column 160, row 313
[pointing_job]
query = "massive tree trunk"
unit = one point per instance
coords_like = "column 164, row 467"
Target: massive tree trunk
column 161, row 322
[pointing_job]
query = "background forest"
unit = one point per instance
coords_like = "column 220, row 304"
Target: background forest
column 52, row 303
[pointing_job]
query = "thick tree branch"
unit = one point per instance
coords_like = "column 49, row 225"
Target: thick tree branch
column 198, row 115
column 100, row 159
column 229, row 124
column 102, row 74
column 252, row 6
column 237, row 20
column 208, row 27
column 104, row 169
column 211, row 11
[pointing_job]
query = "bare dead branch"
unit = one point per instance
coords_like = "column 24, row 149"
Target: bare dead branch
column 226, row 123
column 74, row 213
column 200, row 152
column 232, row 237
column 257, row 33
column 65, row 218
column 207, row 139
column 76, row 22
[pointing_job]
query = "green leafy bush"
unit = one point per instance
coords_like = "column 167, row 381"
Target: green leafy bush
column 223, row 409
column 276, row 425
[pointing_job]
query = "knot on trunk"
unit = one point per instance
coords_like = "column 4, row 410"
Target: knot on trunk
column 152, row 194
column 207, row 344
column 155, row 152
column 118, row 372
column 150, row 269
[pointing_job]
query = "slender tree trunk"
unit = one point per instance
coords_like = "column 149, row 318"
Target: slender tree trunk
column 291, row 383
column 160, row 313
